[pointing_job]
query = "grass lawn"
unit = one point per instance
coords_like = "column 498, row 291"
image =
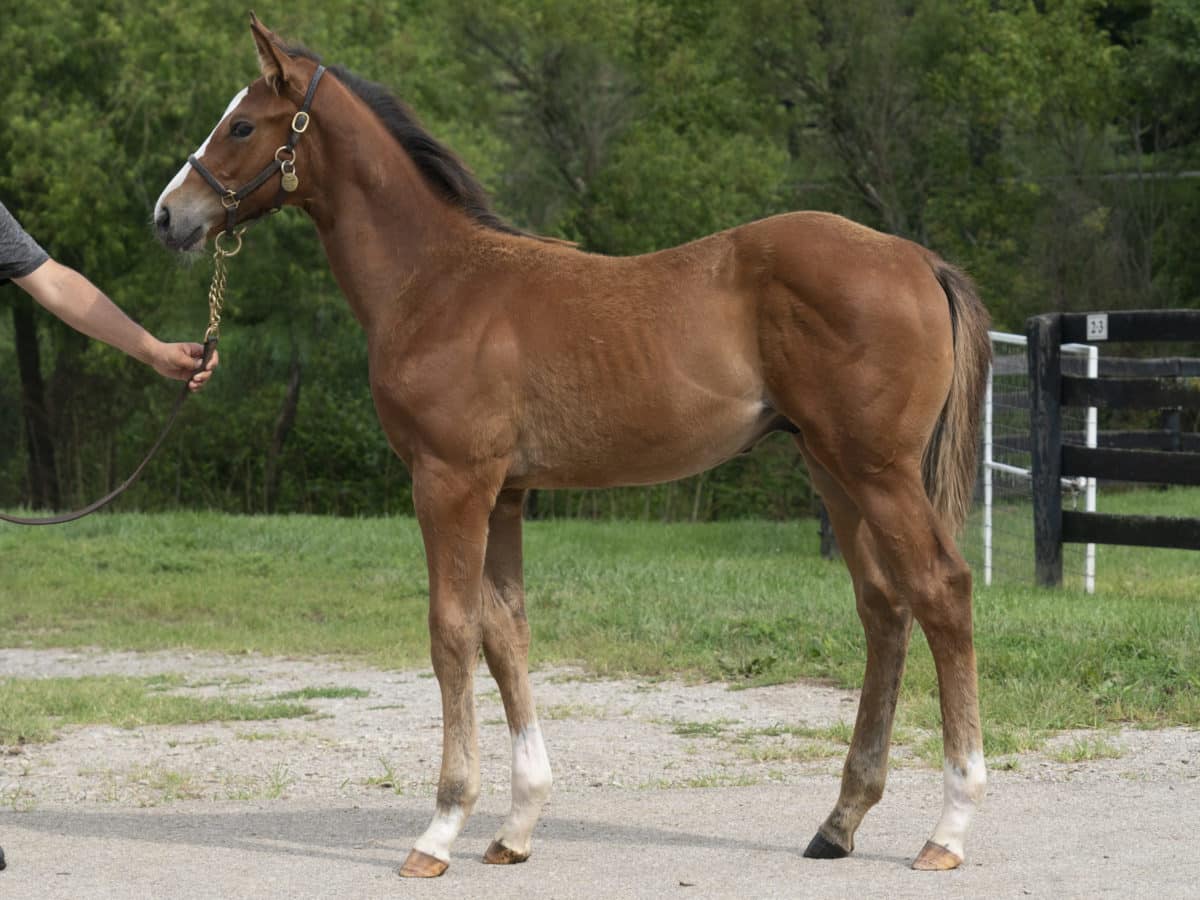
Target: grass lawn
column 748, row 602
column 32, row 708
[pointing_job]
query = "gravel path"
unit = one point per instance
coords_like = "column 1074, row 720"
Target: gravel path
column 661, row 789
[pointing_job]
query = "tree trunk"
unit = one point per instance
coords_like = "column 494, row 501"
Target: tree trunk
column 829, row 545
column 699, row 495
column 283, row 426
column 39, row 440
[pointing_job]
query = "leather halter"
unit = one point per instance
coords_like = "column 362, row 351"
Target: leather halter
column 284, row 161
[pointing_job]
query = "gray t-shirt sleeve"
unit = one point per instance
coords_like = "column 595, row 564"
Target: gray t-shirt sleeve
column 19, row 253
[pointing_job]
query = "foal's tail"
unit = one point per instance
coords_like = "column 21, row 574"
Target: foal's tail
column 953, row 451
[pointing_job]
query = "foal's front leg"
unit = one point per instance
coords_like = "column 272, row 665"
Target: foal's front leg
column 453, row 510
column 506, row 647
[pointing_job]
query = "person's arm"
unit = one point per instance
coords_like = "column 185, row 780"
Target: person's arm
column 83, row 306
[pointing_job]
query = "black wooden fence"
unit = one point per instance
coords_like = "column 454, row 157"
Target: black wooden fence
column 1164, row 384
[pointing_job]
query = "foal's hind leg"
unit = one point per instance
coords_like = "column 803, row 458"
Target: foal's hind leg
column 506, row 647
column 453, row 510
column 887, row 628
column 925, row 569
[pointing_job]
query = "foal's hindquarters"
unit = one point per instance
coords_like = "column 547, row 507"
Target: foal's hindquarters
column 899, row 349
column 869, row 346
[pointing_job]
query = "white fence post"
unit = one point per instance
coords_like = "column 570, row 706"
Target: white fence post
column 987, row 480
column 1089, row 503
column 991, row 465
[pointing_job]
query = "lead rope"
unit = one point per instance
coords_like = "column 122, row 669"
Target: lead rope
column 216, row 299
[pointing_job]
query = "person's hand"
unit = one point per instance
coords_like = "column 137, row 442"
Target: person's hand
column 179, row 361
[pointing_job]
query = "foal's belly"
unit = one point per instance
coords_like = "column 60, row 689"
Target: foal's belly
column 638, row 442
column 642, row 402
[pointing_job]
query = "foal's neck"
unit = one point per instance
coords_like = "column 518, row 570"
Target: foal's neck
column 384, row 230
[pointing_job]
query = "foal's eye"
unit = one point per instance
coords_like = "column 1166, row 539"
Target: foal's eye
column 241, row 129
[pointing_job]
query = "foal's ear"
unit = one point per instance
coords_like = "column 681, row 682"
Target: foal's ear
column 273, row 60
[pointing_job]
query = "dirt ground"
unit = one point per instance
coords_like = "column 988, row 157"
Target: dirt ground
column 661, row 789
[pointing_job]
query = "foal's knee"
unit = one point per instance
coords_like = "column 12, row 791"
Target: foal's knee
column 454, row 638
column 505, row 626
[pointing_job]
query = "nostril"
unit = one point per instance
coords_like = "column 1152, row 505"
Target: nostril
column 163, row 219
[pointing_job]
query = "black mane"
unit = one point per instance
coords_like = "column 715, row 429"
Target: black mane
column 440, row 167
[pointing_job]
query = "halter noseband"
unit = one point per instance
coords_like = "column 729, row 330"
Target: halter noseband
column 285, row 162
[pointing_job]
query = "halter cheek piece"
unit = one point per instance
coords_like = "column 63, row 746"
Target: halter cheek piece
column 284, row 162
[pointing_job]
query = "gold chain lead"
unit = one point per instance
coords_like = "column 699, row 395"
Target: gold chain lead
column 216, row 290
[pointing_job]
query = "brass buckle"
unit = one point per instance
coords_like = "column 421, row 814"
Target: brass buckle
column 229, row 200
column 300, row 122
column 286, row 149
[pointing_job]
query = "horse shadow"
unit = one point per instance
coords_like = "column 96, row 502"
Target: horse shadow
column 341, row 833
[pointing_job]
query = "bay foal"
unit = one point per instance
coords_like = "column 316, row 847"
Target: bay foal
column 500, row 362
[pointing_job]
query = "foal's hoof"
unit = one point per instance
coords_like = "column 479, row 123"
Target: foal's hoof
column 499, row 855
column 820, row 848
column 3, row 864
column 936, row 858
column 422, row 865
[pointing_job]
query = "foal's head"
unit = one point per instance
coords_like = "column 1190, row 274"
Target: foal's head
column 252, row 134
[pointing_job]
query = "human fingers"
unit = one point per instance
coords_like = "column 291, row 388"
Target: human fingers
column 199, row 379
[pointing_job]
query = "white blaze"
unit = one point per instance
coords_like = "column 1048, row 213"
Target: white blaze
column 182, row 173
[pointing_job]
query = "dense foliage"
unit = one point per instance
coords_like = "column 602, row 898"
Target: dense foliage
column 1050, row 147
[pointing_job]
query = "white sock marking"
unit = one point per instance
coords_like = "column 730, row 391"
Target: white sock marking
column 441, row 833
column 182, row 173
column 531, row 781
column 963, row 795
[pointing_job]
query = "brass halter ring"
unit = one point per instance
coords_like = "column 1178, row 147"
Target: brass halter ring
column 237, row 248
